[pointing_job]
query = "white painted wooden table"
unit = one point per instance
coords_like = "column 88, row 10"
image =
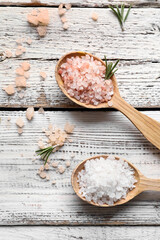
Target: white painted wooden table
column 31, row 208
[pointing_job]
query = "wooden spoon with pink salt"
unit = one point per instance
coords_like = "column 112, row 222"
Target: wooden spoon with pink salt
column 81, row 83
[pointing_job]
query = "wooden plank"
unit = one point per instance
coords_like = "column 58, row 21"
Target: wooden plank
column 28, row 200
column 81, row 3
column 140, row 41
column 131, row 76
column 75, row 233
column 140, row 71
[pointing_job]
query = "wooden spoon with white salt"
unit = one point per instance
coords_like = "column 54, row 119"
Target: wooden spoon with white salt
column 142, row 184
column 149, row 127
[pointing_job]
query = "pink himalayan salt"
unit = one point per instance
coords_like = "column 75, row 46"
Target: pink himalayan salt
column 43, row 75
column 20, row 81
column 65, row 26
column 68, row 127
column 25, row 65
column 84, row 80
column 19, row 122
column 9, row 89
column 42, row 30
column 68, row 6
column 94, row 16
column 29, row 41
column 8, row 54
column 19, row 71
column 30, row 113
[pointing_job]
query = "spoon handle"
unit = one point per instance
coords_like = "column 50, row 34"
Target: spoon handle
column 149, row 127
column 149, row 184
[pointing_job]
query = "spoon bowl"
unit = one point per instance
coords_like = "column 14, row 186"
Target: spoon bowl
column 61, row 84
column 149, row 127
column 141, row 185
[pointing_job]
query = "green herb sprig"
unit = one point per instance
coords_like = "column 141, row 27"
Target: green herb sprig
column 46, row 152
column 109, row 68
column 120, row 14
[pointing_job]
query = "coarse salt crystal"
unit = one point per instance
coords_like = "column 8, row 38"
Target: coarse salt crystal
column 43, row 75
column 94, row 16
column 9, row 89
column 30, row 113
column 106, row 180
column 20, row 122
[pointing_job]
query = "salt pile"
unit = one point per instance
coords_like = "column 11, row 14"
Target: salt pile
column 84, row 79
column 105, row 181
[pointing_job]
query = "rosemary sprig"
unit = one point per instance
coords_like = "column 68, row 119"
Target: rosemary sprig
column 46, row 152
column 120, row 14
column 109, row 68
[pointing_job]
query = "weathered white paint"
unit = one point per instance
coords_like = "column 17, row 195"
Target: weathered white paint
column 76, row 233
column 131, row 76
column 81, row 3
column 140, row 41
column 27, row 199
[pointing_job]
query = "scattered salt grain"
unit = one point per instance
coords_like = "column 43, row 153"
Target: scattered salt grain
column 105, row 180
column 20, row 82
column 26, row 75
column 72, row 155
column 43, row 75
column 25, row 65
column 63, row 19
column 42, row 175
column 20, row 71
column 41, row 110
column 68, row 163
column 41, row 168
column 68, row 128
column 21, row 95
column 20, row 130
column 9, row 119
column 46, row 166
column 19, row 122
column 54, row 164
column 94, row 16
column 65, row 26
column 30, row 113
column 84, row 80
column 42, row 30
column 29, row 41
column 9, row 89
column 61, row 11
column 61, row 169
column 9, row 54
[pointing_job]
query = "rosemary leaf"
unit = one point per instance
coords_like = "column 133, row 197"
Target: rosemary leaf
column 119, row 13
column 45, row 152
column 110, row 68
column 127, row 13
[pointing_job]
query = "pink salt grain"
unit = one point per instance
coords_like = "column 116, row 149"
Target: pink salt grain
column 20, row 82
column 43, row 75
column 42, row 175
column 68, row 163
column 9, row 89
column 84, row 80
column 29, row 41
column 20, row 131
column 25, row 65
column 65, row 26
column 20, row 71
column 61, row 169
column 19, row 122
column 68, row 128
column 94, row 16
column 8, row 54
column 61, row 11
column 68, row 6
column 30, row 113
column 54, row 164
column 42, row 30
column 63, row 19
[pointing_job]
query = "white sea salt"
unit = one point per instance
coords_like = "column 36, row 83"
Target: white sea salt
column 105, row 180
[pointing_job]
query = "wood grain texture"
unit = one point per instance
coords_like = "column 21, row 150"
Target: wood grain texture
column 140, row 41
column 76, row 233
column 28, row 200
column 81, row 3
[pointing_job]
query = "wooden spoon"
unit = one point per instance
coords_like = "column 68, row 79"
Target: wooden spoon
column 149, row 128
column 143, row 183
